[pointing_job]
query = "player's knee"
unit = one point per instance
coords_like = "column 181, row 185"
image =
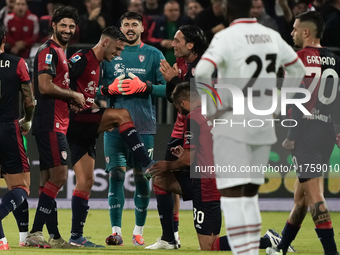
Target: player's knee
column 142, row 184
column 124, row 116
column 205, row 246
column 117, row 175
column 86, row 183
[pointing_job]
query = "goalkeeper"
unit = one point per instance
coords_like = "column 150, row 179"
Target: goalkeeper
column 140, row 64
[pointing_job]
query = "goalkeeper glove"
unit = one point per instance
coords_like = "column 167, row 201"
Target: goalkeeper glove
column 135, row 85
column 113, row 88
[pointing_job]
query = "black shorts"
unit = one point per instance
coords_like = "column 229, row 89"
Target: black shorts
column 83, row 132
column 207, row 217
column 13, row 158
column 313, row 146
column 52, row 147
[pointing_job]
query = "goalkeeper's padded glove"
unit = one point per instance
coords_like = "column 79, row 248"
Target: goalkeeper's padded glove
column 25, row 125
column 113, row 88
column 135, row 85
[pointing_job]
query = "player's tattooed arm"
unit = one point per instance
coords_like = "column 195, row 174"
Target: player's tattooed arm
column 28, row 100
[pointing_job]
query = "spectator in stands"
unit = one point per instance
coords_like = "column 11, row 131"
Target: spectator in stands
column 317, row 5
column 137, row 6
column 193, row 8
column 162, row 30
column 257, row 11
column 212, row 20
column 331, row 16
column 153, row 9
column 22, row 29
column 8, row 8
column 93, row 22
column 287, row 21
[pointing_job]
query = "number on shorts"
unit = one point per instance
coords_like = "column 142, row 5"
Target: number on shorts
column 198, row 216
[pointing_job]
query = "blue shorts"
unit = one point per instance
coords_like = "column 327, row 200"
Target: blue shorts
column 117, row 153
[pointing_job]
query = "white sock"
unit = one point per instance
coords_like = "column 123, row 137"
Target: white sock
column 4, row 240
column 22, row 236
column 176, row 235
column 237, row 226
column 138, row 230
column 253, row 218
column 117, row 230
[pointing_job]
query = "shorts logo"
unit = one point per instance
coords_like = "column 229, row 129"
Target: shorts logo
column 75, row 58
column 64, row 155
column 48, row 59
column 107, row 159
column 95, row 110
column 141, row 58
column 188, row 135
column 198, row 226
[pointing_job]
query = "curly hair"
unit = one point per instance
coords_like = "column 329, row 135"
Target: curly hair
column 65, row 12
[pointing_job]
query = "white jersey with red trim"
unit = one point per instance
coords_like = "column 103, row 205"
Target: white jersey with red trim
column 248, row 55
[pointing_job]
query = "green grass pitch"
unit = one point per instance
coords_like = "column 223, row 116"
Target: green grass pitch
column 98, row 228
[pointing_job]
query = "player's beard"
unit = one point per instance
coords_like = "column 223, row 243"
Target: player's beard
column 61, row 39
column 134, row 40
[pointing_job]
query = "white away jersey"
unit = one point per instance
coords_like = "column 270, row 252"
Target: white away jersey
column 248, row 55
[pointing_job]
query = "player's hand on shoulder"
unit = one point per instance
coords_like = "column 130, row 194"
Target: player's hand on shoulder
column 167, row 71
column 134, row 85
column 25, row 126
column 288, row 144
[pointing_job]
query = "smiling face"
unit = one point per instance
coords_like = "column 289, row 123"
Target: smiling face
column 64, row 30
column 112, row 48
column 181, row 48
column 132, row 30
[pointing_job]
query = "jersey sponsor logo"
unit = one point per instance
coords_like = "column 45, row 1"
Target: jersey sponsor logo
column 141, row 58
column 95, row 110
column 119, row 69
column 91, row 100
column 75, row 58
column 91, row 87
column 48, row 59
column 64, row 155
column 93, row 72
column 188, row 135
column 66, row 80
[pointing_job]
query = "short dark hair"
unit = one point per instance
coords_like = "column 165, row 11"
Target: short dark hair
column 239, row 8
column 2, row 33
column 316, row 19
column 65, row 12
column 184, row 91
column 131, row 15
column 194, row 34
column 114, row 33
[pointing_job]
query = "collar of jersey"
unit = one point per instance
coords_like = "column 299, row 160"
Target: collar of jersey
column 133, row 48
column 244, row 20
